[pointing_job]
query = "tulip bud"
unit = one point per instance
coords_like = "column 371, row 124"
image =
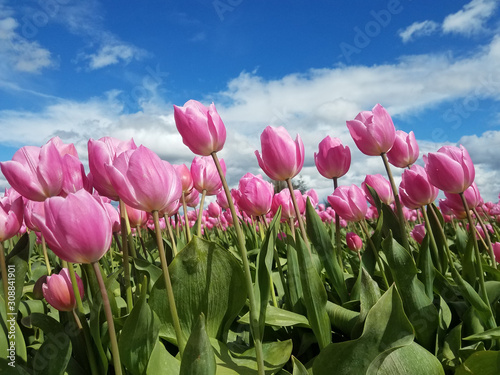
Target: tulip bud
column 354, row 242
column 58, row 290
column 404, row 151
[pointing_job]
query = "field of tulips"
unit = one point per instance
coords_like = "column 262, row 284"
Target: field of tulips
column 125, row 271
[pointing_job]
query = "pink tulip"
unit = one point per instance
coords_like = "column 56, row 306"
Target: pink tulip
column 74, row 177
column 415, row 189
column 185, row 176
column 77, row 228
column 381, row 186
column 201, row 128
column 284, row 200
column 171, row 209
column 222, row 200
column 11, row 215
column 282, row 158
column 404, row 151
column 472, row 197
column 30, row 208
column 333, row 159
column 114, row 216
column 313, row 197
column 354, row 242
column 58, row 290
column 496, row 251
column 35, row 172
column 137, row 218
column 349, row 202
column 418, row 233
column 450, row 169
column 205, row 175
column 254, row 195
column 214, row 210
column 373, row 131
column 101, row 152
column 144, row 181
column 64, row 148
column 193, row 198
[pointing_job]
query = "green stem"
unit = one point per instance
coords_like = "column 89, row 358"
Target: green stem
column 186, row 220
column 81, row 322
column 5, row 283
column 432, row 239
column 401, row 217
column 254, row 314
column 168, row 285
column 337, row 230
column 362, row 223
column 487, row 238
column 109, row 318
column 200, row 212
column 125, row 247
column 171, row 235
column 298, row 215
column 46, row 256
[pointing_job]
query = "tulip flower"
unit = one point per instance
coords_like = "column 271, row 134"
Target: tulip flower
column 496, row 251
column 137, row 218
column 77, row 228
column 58, row 290
column 282, row 158
column 381, row 186
column 415, row 189
column 11, row 215
column 214, row 210
column 254, row 195
column 404, row 151
column 313, row 197
column 185, row 175
column 193, row 198
column 353, row 241
column 472, row 197
column 35, row 172
column 101, row 152
column 205, row 175
column 284, row 200
column 30, row 208
column 349, row 202
column 144, row 181
column 74, row 177
column 418, row 233
column 201, row 128
column 450, row 169
column 373, row 131
column 222, row 199
column 333, row 159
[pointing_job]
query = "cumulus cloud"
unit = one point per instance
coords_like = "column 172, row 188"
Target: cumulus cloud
column 471, row 18
column 418, row 29
column 113, row 53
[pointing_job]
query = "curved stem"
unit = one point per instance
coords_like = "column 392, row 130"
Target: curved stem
column 171, row 235
column 125, row 247
column 45, row 255
column 298, row 215
column 109, row 318
column 433, row 240
column 168, row 285
column 254, row 314
column 401, row 216
column 337, row 229
column 200, row 212
column 186, row 219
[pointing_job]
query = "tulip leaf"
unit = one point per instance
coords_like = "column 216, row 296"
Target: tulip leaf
column 153, row 271
column 161, row 361
column 424, row 263
column 341, row 318
column 198, row 357
column 205, row 279
column 293, row 280
column 280, row 318
column 481, row 363
column 315, row 297
column 368, row 296
column 418, row 306
column 318, row 235
column 386, row 328
column 298, row 367
column 139, row 335
column 263, row 279
column 491, row 334
column 436, row 231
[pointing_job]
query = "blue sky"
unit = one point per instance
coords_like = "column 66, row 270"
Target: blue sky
column 86, row 69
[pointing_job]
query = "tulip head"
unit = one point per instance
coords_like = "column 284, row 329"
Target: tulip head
column 404, row 151
column 205, row 175
column 11, row 215
column 333, row 159
column 254, row 195
column 58, row 290
column 418, row 233
column 284, row 200
column 381, row 186
column 349, row 202
column 282, row 157
column 415, row 189
column 471, row 195
column 201, row 128
column 354, row 242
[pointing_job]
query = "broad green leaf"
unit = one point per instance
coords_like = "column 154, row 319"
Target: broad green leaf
column 418, row 306
column 139, row 335
column 276, row 354
column 386, row 327
column 293, row 280
column 425, row 264
column 280, row 318
column 341, row 318
column 481, row 363
column 318, row 235
column 315, row 297
column 407, row 360
column 298, row 367
column 153, row 271
column 161, row 361
column 450, row 349
column 198, row 357
column 205, row 279
column 369, row 294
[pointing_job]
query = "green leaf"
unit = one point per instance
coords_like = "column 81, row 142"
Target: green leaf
column 276, row 354
column 280, row 318
column 341, row 318
column 481, row 363
column 450, row 349
column 408, row 360
column 318, row 235
column 386, row 327
column 491, row 334
column 424, row 263
column 205, row 279
column 162, row 362
column 263, row 280
column 153, row 271
column 198, row 357
column 293, row 279
column 139, row 335
column 418, row 306
column 368, row 296
column 298, row 367
column 314, row 296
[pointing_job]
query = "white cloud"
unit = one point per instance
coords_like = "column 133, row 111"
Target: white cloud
column 471, row 18
column 418, row 29
column 110, row 54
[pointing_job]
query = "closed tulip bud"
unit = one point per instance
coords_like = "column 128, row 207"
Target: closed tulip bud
column 77, row 228
column 11, row 215
column 137, row 218
column 381, row 186
column 354, row 242
column 201, row 128
column 214, row 210
column 284, row 200
column 373, row 131
column 144, row 181
column 418, row 233
column 222, row 199
column 254, row 195
column 471, row 195
column 205, row 175
column 333, row 159
column 313, row 197
column 450, row 169
column 74, row 177
column 282, row 157
column 404, row 151
column 415, row 189
column 496, row 251
column 30, row 208
column 193, row 198
column 185, row 176
column 58, row 290
column 349, row 202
